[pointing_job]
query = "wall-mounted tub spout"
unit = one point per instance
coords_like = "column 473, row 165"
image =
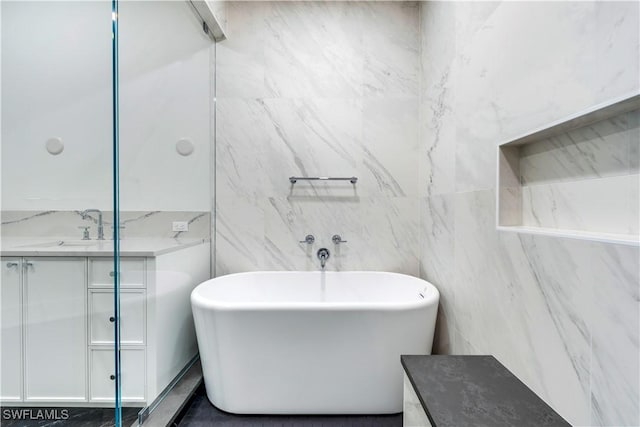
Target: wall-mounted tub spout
column 323, row 256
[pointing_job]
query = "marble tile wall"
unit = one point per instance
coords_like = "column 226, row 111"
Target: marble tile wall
column 562, row 314
column 413, row 415
column 607, row 205
column 586, row 179
column 317, row 89
column 136, row 224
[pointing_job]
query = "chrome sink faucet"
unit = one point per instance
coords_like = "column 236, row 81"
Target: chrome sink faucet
column 323, row 256
column 85, row 215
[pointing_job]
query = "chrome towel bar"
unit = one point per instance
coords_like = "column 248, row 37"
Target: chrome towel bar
column 294, row 179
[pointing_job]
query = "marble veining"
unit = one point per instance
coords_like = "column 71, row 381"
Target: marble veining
column 437, row 96
column 597, row 151
column 603, row 205
column 240, row 68
column 561, row 314
column 437, row 240
column 303, row 58
column 239, row 235
column 325, row 89
column 585, row 179
column 134, row 224
column 413, row 414
column 313, row 137
column 384, row 179
column 318, row 92
column 287, row 218
column 523, row 322
column 240, row 142
column 390, row 142
column 391, row 225
column 391, row 61
column 571, row 335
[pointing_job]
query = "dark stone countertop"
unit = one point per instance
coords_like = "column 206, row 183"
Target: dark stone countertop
column 458, row 391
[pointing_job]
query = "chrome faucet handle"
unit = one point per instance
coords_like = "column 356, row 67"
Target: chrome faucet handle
column 85, row 232
column 336, row 239
column 309, row 239
column 85, row 215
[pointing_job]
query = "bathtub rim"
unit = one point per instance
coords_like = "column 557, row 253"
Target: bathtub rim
column 433, row 297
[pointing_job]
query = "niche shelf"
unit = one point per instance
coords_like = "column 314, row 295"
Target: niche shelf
column 578, row 177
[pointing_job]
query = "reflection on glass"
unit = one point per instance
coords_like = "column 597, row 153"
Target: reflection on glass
column 165, row 193
column 106, row 204
column 57, row 213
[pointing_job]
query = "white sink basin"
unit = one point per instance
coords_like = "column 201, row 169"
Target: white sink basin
column 85, row 242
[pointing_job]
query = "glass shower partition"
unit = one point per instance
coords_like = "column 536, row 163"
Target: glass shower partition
column 115, row 109
column 59, row 203
column 165, row 95
column 105, row 207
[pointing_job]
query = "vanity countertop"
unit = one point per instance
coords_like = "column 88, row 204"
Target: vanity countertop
column 475, row 390
column 52, row 247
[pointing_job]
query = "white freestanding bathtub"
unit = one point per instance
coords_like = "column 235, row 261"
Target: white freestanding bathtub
column 311, row 342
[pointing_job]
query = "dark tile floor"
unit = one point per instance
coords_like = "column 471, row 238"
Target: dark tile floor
column 201, row 413
column 76, row 417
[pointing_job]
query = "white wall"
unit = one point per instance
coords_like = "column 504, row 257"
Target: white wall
column 562, row 314
column 166, row 68
column 56, row 79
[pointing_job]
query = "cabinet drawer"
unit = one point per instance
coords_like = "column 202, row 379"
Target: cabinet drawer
column 132, row 273
column 132, row 316
column 102, row 387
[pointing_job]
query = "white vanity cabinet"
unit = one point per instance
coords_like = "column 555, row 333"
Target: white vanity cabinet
column 10, row 330
column 57, row 330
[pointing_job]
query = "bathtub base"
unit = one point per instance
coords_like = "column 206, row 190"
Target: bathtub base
column 311, row 362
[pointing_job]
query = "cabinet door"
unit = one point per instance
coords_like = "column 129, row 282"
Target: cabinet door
column 132, row 375
column 11, row 330
column 132, row 316
column 55, row 329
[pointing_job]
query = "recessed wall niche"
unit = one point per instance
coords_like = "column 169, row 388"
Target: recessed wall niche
column 578, row 177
